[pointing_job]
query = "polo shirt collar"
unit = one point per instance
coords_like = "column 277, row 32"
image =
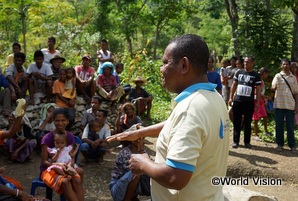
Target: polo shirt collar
column 198, row 86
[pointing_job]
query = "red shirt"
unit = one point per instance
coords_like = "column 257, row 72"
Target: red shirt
column 102, row 80
column 83, row 73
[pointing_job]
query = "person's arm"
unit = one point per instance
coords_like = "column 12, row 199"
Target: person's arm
column 70, row 102
column 232, row 91
column 163, row 174
column 22, row 195
column 275, row 82
column 85, row 135
column 150, row 131
column 56, row 155
column 77, row 75
column 13, row 92
column 44, row 156
column 258, row 97
column 73, row 81
column 15, row 154
column 219, row 84
column 46, row 121
column 91, row 78
column 111, row 59
column 44, row 77
column 13, row 83
column 117, row 121
column 73, row 152
column 13, row 129
column 296, row 103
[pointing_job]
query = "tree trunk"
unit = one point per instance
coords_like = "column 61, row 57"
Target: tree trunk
column 23, row 11
column 294, row 56
column 128, row 40
column 157, row 36
column 232, row 11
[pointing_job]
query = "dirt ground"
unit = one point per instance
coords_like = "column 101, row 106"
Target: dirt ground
column 262, row 160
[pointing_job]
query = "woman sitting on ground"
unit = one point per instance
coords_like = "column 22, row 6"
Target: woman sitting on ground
column 126, row 117
column 11, row 189
column 22, row 144
column 106, row 83
column 72, row 188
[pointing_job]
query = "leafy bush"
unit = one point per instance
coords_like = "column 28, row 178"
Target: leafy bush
column 143, row 65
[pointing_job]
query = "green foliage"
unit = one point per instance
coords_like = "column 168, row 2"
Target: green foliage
column 265, row 34
column 271, row 128
column 131, row 25
column 143, row 65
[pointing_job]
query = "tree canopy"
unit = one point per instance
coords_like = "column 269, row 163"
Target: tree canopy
column 266, row 29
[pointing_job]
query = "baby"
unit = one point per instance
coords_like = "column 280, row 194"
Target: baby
column 63, row 157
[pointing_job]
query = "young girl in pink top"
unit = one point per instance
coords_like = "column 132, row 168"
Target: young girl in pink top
column 261, row 112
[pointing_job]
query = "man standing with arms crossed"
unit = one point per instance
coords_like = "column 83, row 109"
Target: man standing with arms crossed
column 192, row 145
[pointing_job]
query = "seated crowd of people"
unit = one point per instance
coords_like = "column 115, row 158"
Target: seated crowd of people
column 52, row 139
column 242, row 88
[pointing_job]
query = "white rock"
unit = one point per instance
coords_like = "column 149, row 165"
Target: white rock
column 39, row 95
column 3, row 122
column 80, row 108
column 235, row 193
column 30, row 108
column 30, row 114
column 80, row 100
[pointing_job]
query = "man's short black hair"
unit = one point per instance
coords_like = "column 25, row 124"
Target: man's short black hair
column 38, row 53
column 105, row 112
column 52, row 38
column 194, row 48
column 20, row 55
column 103, row 41
column 97, row 98
column 118, row 64
column 16, row 44
column 285, row 60
column 234, row 58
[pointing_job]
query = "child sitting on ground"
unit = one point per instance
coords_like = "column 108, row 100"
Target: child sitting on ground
column 70, row 84
column 94, row 127
column 63, row 157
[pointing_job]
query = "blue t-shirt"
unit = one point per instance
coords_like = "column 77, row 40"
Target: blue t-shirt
column 214, row 78
column 3, row 81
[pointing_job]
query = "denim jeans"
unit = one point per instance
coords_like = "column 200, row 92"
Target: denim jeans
column 280, row 116
column 92, row 153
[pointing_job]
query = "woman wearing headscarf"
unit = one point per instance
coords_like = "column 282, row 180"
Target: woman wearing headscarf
column 106, row 83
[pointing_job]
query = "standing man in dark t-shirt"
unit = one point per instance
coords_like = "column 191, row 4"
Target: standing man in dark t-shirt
column 245, row 82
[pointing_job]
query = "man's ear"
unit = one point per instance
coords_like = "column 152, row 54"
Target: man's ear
column 185, row 65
